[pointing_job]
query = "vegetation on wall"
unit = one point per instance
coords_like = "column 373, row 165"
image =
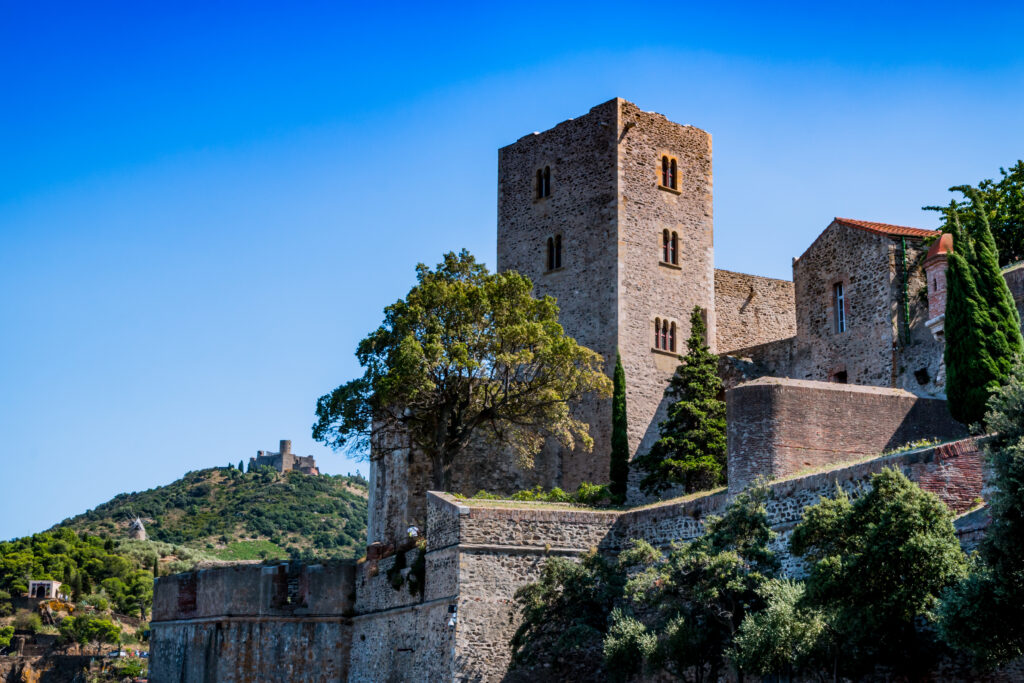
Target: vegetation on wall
column 466, row 354
column 716, row 606
column 692, row 449
column 619, row 462
column 982, row 327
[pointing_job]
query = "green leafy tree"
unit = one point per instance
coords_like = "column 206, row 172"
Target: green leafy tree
column 1004, row 202
column 982, row 327
column 876, row 566
column 466, row 353
column 619, row 469
column 786, row 637
column 6, row 634
column 565, row 616
column 696, row 597
column 86, row 629
column 981, row 615
column 692, row 449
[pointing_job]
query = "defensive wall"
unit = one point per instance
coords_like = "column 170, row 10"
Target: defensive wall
column 752, row 310
column 449, row 615
column 777, row 427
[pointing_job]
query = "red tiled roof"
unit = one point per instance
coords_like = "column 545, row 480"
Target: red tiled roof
column 886, row 229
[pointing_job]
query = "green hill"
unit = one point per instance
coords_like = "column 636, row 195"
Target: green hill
column 224, row 514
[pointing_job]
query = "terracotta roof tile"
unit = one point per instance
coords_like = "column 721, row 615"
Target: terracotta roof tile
column 886, row 229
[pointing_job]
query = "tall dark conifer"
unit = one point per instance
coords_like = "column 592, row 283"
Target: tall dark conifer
column 619, row 466
column 691, row 451
column 982, row 327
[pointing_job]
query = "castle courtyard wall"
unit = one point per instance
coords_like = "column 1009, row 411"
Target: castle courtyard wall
column 751, row 310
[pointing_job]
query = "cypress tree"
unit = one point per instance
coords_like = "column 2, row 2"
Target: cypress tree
column 691, row 451
column 241, row 466
column 982, row 327
column 619, row 468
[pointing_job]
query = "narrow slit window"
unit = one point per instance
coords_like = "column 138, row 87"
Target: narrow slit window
column 551, row 253
column 543, row 182
column 672, row 169
column 558, row 251
column 657, row 333
column 665, row 240
column 839, row 304
column 540, row 184
column 547, row 181
column 664, row 171
column 673, row 250
column 672, row 338
column 664, row 335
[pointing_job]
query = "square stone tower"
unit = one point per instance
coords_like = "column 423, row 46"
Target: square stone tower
column 611, row 214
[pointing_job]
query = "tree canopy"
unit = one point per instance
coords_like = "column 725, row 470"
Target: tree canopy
column 466, row 353
column 876, row 566
column 982, row 327
column 1003, row 200
column 692, row 449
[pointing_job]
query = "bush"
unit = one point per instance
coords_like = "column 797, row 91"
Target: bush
column 27, row 621
column 6, row 633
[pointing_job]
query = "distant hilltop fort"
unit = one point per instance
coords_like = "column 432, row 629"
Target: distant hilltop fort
column 285, row 460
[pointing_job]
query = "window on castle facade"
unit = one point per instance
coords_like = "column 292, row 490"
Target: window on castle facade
column 670, row 247
column 554, row 252
column 543, row 182
column 664, row 334
column 839, row 307
column 669, row 173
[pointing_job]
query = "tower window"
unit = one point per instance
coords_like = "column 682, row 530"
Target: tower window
column 839, row 306
column 669, row 173
column 670, row 247
column 543, row 182
column 554, row 252
column 664, row 334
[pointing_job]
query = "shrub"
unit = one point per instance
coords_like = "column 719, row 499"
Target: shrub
column 27, row 621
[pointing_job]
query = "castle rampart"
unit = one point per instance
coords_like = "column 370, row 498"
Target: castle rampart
column 751, row 310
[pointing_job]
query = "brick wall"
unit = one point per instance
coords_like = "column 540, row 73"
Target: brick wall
column 777, row 427
column 752, row 310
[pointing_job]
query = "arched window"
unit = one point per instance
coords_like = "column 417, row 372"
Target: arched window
column 551, row 253
column 673, row 250
column 672, row 175
column 665, row 170
column 664, row 335
column 665, row 241
column 672, row 338
column 558, row 251
column 657, row 333
column 543, row 182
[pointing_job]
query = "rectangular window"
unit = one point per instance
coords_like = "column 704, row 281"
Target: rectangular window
column 839, row 304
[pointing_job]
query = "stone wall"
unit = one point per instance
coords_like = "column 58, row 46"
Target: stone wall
column 253, row 622
column 751, row 310
column 777, row 427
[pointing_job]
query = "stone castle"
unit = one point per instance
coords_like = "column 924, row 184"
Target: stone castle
column 611, row 213
column 285, row 460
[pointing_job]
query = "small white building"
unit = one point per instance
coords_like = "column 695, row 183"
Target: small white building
column 43, row 590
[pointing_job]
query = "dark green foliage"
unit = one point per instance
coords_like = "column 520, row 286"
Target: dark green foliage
column 87, row 629
column 982, row 614
column 241, row 466
column 694, row 599
column 6, row 633
column 619, row 468
column 466, row 354
column 982, row 327
column 604, row 619
column 691, row 451
column 565, row 615
column 1004, row 199
column 876, row 567
column 206, row 505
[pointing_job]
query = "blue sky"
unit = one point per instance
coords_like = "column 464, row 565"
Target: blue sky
column 204, row 207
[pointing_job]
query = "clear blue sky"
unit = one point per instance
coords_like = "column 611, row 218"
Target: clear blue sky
column 203, row 208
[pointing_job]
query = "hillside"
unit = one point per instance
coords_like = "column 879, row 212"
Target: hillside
column 224, row 514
